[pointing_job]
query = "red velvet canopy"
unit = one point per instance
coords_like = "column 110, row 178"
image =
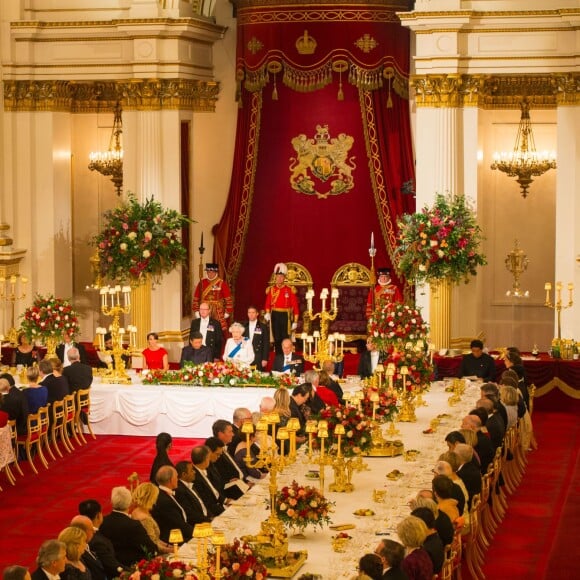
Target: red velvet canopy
column 323, row 149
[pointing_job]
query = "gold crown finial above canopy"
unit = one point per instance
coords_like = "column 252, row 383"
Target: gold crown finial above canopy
column 306, row 44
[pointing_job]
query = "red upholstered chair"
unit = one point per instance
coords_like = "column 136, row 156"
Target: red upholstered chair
column 353, row 281
column 301, row 279
column 57, row 430
column 83, row 409
column 14, row 438
column 33, row 438
column 70, row 415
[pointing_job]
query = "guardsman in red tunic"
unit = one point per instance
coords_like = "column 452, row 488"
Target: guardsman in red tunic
column 383, row 293
column 281, row 307
column 216, row 293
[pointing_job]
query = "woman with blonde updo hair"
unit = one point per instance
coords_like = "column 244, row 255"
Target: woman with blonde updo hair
column 144, row 498
column 417, row 564
column 282, row 403
column 75, row 541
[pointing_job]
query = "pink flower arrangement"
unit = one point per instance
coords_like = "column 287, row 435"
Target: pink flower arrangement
column 159, row 568
column 395, row 324
column 357, row 438
column 300, row 506
column 237, row 561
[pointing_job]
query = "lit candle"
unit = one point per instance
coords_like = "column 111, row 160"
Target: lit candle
column 547, row 288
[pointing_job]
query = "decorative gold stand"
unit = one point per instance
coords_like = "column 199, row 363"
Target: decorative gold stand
column 440, row 313
column 383, row 447
column 271, row 542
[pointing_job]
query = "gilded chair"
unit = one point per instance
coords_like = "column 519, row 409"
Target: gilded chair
column 299, row 278
column 14, row 439
column 83, row 411
column 44, row 429
column 32, row 439
column 69, row 420
column 57, row 430
column 353, row 282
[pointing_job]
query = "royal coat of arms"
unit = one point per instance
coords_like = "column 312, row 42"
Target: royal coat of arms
column 322, row 159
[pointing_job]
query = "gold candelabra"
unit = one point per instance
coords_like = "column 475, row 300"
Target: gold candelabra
column 458, row 388
column 320, row 346
column 407, row 412
column 516, row 263
column 271, row 543
column 12, row 290
column 558, row 306
column 114, row 302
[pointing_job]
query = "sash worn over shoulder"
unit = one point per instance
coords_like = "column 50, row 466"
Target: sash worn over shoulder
column 235, row 351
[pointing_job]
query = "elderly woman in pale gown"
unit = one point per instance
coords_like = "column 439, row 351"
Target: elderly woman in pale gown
column 239, row 348
column 144, row 498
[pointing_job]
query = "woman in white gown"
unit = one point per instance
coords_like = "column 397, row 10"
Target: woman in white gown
column 238, row 348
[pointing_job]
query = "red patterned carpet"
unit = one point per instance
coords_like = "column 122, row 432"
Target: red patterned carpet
column 537, row 538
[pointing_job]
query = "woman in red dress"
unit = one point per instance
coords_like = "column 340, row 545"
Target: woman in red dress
column 155, row 356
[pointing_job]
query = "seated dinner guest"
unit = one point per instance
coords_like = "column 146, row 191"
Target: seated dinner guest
column 51, row 560
column 162, row 445
column 24, row 353
column 155, row 356
column 195, row 352
column 78, row 374
column 145, row 496
column 391, row 554
column 13, row 402
column 417, row 564
column 369, row 360
column 63, row 348
column 187, row 496
column 477, row 364
column 238, row 348
column 37, row 395
column 56, row 384
column 288, row 361
column 129, row 538
column 75, row 541
column 106, row 358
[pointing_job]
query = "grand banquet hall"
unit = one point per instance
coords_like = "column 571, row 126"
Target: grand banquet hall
column 302, row 133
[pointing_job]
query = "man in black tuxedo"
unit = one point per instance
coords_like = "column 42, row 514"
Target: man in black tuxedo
column 79, row 375
column 240, row 416
column 211, row 497
column 210, row 329
column 226, row 465
column 187, row 496
column 64, row 347
column 128, row 536
column 468, row 472
column 100, row 545
column 51, row 560
column 88, row 557
column 259, row 335
column 14, row 402
column 195, row 353
column 287, row 361
column 368, row 360
column 167, row 511
column 392, row 555
column 477, row 364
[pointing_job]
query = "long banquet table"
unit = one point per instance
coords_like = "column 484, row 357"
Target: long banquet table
column 183, row 411
column 245, row 515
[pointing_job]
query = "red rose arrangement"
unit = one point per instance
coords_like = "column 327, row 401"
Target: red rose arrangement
column 160, row 568
column 237, row 561
column 418, row 364
column 300, row 506
column 357, row 426
column 223, row 374
column 49, row 317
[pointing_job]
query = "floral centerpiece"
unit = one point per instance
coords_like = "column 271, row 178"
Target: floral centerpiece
column 48, row 320
column 159, row 568
column 139, row 239
column 299, row 506
column 357, row 438
column 386, row 407
column 237, row 561
column 440, row 242
column 226, row 374
column 397, row 324
column 417, row 362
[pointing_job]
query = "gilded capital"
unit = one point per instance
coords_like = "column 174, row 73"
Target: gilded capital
column 567, row 88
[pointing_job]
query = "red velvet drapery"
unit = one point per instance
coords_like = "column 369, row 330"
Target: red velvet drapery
column 352, row 81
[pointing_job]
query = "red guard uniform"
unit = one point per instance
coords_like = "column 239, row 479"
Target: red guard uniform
column 382, row 295
column 217, row 294
column 281, row 302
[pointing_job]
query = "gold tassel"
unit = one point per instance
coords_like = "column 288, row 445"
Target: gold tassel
column 275, row 92
column 340, row 93
column 389, row 99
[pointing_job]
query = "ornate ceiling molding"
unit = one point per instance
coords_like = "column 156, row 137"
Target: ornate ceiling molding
column 496, row 91
column 99, row 96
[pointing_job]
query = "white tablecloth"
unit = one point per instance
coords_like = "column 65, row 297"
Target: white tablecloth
column 180, row 410
column 245, row 516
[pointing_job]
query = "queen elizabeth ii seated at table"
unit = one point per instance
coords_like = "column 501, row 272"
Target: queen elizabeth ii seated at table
column 238, row 348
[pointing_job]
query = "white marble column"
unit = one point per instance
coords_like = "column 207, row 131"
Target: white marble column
column 567, row 249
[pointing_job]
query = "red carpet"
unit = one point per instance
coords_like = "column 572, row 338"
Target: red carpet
column 537, row 538
column 40, row 506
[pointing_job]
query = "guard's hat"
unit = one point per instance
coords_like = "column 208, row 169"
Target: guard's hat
column 384, row 271
column 211, row 267
column 281, row 268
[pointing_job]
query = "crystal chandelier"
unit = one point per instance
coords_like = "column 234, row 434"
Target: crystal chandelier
column 524, row 162
column 110, row 162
